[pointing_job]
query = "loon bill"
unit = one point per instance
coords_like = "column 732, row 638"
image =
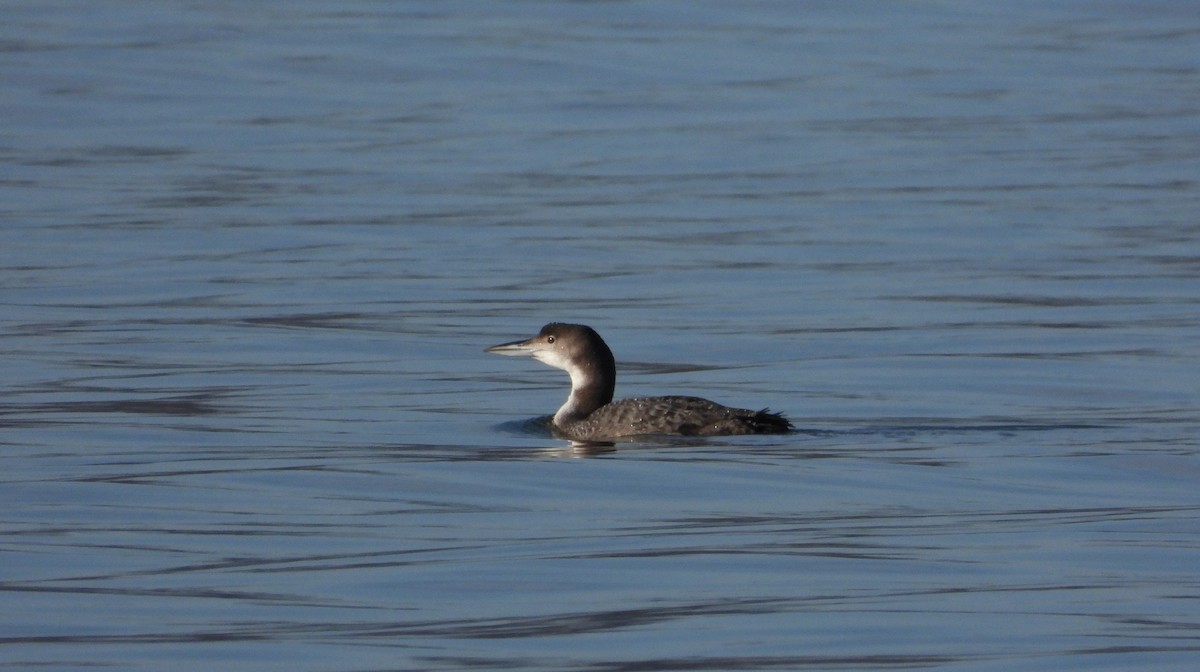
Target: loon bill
column 590, row 414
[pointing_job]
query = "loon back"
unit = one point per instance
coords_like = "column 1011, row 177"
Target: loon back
column 589, row 412
column 685, row 416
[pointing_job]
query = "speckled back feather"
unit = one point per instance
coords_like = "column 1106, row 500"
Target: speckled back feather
column 688, row 416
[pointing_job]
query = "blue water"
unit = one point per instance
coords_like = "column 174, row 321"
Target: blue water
column 251, row 254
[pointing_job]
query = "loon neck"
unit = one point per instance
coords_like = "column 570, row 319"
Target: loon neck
column 593, row 380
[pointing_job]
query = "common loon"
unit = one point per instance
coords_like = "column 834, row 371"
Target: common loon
column 590, row 414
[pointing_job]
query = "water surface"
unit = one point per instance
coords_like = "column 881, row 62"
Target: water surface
column 251, row 255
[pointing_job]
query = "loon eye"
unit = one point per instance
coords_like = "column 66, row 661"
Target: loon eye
column 549, row 339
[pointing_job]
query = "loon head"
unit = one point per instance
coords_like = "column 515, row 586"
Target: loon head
column 578, row 350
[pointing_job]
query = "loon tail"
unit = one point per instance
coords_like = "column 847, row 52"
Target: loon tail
column 766, row 422
column 741, row 422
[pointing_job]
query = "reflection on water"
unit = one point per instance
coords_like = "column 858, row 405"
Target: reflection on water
column 250, row 260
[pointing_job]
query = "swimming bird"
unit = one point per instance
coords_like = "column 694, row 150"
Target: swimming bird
column 590, row 414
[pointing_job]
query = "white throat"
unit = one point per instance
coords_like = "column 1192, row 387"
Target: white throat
column 580, row 379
